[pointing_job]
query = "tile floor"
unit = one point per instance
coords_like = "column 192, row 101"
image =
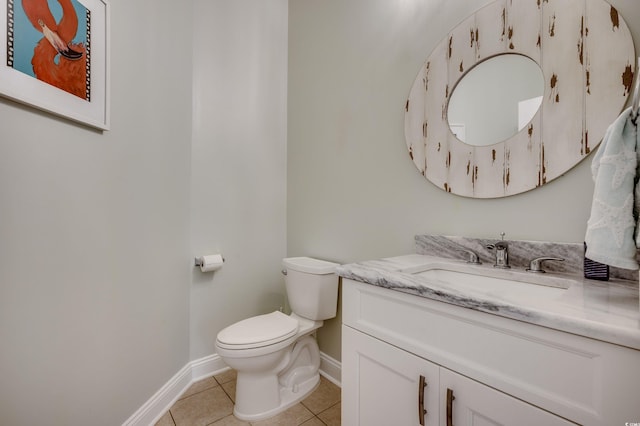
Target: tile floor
column 210, row 402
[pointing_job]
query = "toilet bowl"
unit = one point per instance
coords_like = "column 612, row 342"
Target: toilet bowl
column 276, row 355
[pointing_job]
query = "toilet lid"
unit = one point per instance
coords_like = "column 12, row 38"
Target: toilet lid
column 261, row 330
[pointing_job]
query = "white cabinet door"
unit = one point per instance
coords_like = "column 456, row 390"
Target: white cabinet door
column 466, row 402
column 381, row 384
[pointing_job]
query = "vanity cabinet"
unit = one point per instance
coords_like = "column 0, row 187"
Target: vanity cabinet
column 404, row 355
column 384, row 385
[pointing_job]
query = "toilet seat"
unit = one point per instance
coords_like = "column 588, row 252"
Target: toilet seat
column 258, row 331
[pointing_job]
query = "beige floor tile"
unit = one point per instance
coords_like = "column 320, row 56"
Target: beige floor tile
column 230, row 389
column 314, row 421
column 332, row 415
column 202, row 408
column 165, row 420
column 227, row 376
column 325, row 395
column 210, row 402
column 230, row 421
column 294, row 416
column 199, row 386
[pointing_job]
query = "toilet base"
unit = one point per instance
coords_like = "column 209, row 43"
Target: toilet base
column 288, row 398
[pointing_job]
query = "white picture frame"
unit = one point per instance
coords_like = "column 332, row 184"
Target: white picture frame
column 36, row 36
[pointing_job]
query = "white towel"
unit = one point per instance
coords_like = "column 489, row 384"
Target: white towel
column 611, row 235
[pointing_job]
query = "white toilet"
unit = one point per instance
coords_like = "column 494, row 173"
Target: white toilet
column 275, row 355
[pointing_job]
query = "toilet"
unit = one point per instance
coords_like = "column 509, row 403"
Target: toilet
column 275, row 355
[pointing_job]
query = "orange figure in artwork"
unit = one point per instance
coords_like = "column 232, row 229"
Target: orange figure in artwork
column 69, row 71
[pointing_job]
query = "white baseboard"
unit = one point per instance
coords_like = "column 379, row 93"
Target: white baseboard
column 199, row 369
column 331, row 369
column 206, row 367
column 159, row 403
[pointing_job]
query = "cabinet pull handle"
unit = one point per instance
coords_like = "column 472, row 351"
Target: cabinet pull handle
column 450, row 399
column 421, row 409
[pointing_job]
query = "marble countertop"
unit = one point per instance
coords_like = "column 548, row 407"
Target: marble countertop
column 602, row 310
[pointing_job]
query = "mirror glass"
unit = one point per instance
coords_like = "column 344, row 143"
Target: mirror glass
column 495, row 99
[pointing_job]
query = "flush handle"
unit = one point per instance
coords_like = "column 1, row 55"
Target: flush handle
column 421, row 410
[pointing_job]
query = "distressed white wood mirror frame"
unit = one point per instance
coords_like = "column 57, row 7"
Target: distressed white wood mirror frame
column 587, row 57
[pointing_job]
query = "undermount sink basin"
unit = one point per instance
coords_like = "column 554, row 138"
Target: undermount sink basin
column 487, row 279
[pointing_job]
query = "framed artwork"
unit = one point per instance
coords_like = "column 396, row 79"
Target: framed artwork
column 55, row 57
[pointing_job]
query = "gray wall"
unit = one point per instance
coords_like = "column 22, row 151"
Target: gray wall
column 239, row 174
column 94, row 236
column 353, row 192
column 100, row 304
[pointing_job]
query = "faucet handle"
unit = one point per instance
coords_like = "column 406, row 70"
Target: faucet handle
column 536, row 264
column 501, row 245
column 473, row 257
column 498, row 245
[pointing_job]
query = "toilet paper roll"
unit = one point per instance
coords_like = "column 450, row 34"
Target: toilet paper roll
column 211, row 262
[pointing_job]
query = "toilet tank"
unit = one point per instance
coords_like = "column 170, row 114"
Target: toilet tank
column 312, row 287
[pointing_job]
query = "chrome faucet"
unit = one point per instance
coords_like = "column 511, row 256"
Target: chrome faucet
column 472, row 256
column 502, row 253
column 536, row 264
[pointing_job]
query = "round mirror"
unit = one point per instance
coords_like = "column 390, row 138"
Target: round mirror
column 586, row 54
column 495, row 99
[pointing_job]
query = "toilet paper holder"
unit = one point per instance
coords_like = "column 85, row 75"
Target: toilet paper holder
column 198, row 261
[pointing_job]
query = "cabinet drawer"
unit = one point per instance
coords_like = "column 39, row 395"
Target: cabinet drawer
column 557, row 371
